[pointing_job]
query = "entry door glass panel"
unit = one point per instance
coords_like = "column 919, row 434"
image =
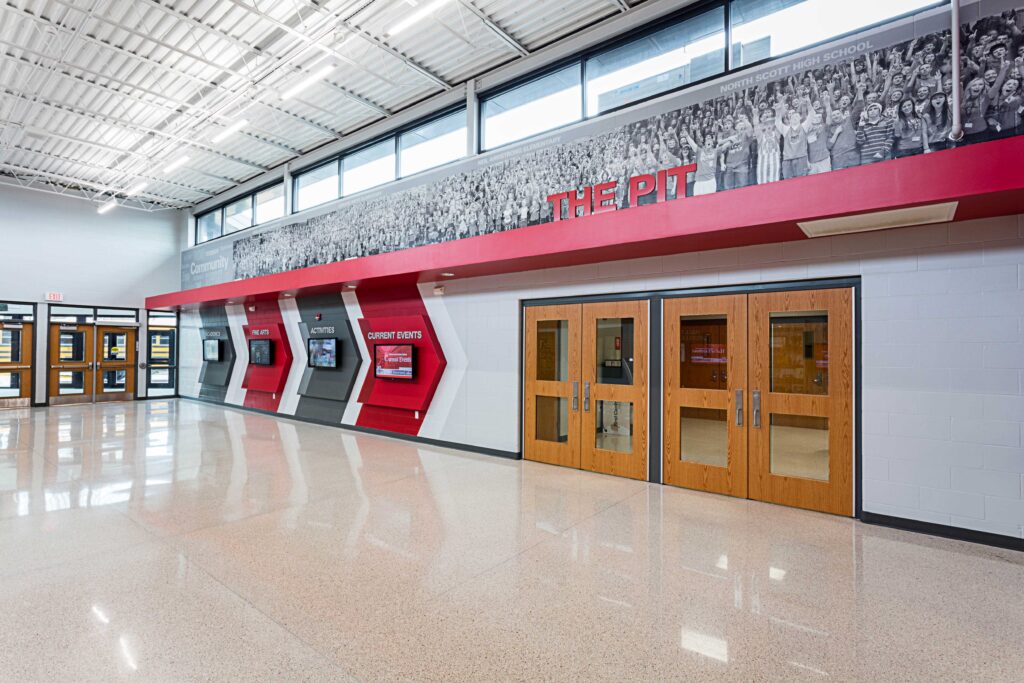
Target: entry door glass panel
column 10, row 346
column 553, row 350
column 614, row 423
column 72, row 347
column 799, row 352
column 704, row 436
column 704, row 352
column 115, row 380
column 552, row 419
column 71, row 382
column 10, row 384
column 614, row 351
column 799, row 446
column 115, row 346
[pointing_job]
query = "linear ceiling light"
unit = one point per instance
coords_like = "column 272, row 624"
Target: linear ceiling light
column 176, row 164
column 107, row 205
column 306, row 82
column 230, row 130
column 416, row 16
column 880, row 220
column 136, row 189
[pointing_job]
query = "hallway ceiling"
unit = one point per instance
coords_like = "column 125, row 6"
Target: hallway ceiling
column 100, row 96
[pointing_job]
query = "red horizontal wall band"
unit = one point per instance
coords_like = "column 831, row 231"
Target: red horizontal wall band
column 987, row 179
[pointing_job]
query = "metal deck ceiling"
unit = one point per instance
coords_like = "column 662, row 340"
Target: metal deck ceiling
column 97, row 96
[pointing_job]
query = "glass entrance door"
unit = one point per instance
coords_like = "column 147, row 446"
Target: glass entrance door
column 115, row 363
column 71, row 363
column 759, row 397
column 585, row 389
column 161, row 359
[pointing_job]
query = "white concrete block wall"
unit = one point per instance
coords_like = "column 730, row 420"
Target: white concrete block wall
column 943, row 355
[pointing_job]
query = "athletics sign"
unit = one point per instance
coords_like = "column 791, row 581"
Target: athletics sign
column 601, row 197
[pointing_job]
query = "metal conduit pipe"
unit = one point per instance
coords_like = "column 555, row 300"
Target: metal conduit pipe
column 956, row 132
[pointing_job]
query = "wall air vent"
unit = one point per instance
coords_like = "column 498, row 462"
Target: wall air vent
column 880, row 220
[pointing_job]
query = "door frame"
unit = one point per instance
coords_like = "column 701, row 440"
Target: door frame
column 655, row 349
column 94, row 323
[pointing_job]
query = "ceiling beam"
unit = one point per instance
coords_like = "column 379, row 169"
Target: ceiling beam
column 501, row 33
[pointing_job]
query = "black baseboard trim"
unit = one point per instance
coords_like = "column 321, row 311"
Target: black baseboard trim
column 944, row 531
column 509, row 455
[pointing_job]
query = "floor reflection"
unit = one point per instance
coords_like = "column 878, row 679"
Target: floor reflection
column 364, row 556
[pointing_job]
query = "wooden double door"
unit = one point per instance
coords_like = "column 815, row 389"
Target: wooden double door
column 586, row 386
column 91, row 363
column 758, row 396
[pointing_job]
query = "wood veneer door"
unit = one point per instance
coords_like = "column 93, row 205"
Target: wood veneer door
column 16, row 362
column 551, row 386
column 705, row 379
column 115, row 363
column 71, row 363
column 801, row 399
column 615, row 383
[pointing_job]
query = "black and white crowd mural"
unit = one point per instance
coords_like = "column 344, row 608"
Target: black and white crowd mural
column 877, row 103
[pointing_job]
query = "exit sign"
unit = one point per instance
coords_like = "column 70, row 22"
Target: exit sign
column 54, row 296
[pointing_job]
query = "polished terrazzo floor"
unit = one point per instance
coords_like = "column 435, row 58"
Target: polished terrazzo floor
column 177, row 541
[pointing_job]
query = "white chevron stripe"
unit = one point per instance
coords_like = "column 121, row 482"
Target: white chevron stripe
column 292, row 318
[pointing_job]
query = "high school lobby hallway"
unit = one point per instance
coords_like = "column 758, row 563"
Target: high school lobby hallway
column 175, row 540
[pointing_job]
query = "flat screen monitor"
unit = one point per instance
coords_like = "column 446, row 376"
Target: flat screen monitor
column 261, row 352
column 211, row 350
column 393, row 361
column 323, row 353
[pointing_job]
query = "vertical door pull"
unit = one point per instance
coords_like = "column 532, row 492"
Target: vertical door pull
column 575, row 396
column 586, row 397
column 756, row 404
column 739, row 407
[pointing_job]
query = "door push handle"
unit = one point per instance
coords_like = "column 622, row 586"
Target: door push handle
column 586, row 397
column 575, row 396
column 756, row 406
column 739, row 407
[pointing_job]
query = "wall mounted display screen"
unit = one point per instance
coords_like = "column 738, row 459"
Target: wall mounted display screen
column 393, row 361
column 323, row 353
column 261, row 352
column 211, row 350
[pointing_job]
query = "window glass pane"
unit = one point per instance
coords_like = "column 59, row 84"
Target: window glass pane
column 766, row 28
column 614, row 351
column 552, row 419
column 703, row 352
column 704, row 436
column 115, row 346
column 72, row 347
column 799, row 352
column 238, row 215
column 688, row 51
column 270, row 204
column 548, row 102
column 799, row 446
column 317, row 186
column 434, row 144
column 208, row 226
column 10, row 384
column 70, row 382
column 553, row 350
column 369, row 167
column 10, row 346
column 614, row 422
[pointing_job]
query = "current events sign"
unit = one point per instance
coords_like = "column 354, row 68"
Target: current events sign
column 407, row 362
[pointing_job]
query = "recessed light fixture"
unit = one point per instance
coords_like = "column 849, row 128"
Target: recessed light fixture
column 351, row 286
column 447, row 274
column 136, row 189
column 416, row 16
column 176, row 164
column 230, row 130
column 107, row 205
column 306, row 82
